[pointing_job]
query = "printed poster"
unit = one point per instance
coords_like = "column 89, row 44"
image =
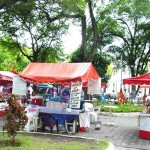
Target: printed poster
column 94, row 86
column 75, row 95
column 76, row 87
column 74, row 101
column 19, row 86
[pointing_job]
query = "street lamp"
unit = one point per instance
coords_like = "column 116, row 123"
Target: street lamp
column 121, row 69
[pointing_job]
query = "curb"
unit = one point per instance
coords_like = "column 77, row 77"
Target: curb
column 121, row 114
column 110, row 147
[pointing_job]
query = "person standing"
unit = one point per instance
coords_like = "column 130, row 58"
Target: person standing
column 1, row 95
column 144, row 99
column 126, row 95
column 121, row 96
column 133, row 95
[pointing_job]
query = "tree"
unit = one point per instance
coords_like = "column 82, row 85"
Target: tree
column 128, row 20
column 94, row 32
column 36, row 25
column 88, row 50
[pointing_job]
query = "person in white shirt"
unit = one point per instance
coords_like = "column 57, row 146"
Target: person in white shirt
column 113, row 95
column 148, row 99
column 126, row 95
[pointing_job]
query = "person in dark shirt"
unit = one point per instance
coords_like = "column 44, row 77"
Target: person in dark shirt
column 2, row 98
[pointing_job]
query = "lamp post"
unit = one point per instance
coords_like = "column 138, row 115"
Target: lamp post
column 121, row 69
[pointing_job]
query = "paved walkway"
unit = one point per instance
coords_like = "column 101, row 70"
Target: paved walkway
column 124, row 135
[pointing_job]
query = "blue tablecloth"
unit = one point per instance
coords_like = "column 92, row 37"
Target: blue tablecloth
column 62, row 117
column 60, row 114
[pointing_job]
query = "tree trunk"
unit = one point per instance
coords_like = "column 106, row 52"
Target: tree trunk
column 83, row 45
column 95, row 31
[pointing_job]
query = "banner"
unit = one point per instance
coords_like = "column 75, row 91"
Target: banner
column 94, row 86
column 19, row 86
column 76, row 87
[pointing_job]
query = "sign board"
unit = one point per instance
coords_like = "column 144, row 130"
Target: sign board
column 76, row 87
column 74, row 101
column 94, row 86
column 19, row 86
column 75, row 95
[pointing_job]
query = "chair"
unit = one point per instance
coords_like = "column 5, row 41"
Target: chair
column 71, row 127
column 48, row 120
column 89, row 107
column 32, row 123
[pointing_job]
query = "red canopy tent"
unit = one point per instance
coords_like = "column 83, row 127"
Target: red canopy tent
column 143, row 79
column 144, row 86
column 59, row 73
column 5, row 79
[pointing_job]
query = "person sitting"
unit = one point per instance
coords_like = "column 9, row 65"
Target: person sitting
column 113, row 95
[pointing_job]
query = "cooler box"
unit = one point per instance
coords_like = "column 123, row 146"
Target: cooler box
column 144, row 131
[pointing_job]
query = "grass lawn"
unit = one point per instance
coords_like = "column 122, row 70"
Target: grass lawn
column 28, row 141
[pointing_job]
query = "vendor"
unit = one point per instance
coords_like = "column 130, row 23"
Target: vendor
column 1, row 95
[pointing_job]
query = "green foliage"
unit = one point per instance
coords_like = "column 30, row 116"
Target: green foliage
column 10, row 57
column 36, row 26
column 128, row 21
column 101, row 63
column 16, row 118
column 124, row 108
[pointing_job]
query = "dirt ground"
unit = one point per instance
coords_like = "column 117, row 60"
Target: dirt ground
column 59, row 138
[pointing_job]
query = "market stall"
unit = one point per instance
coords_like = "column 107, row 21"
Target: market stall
column 144, row 117
column 61, row 74
column 141, row 80
column 6, row 79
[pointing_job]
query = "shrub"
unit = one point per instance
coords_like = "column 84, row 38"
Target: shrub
column 129, row 106
column 16, row 118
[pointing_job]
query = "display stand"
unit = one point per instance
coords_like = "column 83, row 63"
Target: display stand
column 144, row 126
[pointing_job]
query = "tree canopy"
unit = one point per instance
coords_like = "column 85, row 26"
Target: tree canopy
column 37, row 25
column 35, row 29
column 128, row 20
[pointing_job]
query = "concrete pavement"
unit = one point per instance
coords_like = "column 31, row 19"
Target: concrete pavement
column 124, row 135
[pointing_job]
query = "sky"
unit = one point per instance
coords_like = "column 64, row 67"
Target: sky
column 72, row 40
